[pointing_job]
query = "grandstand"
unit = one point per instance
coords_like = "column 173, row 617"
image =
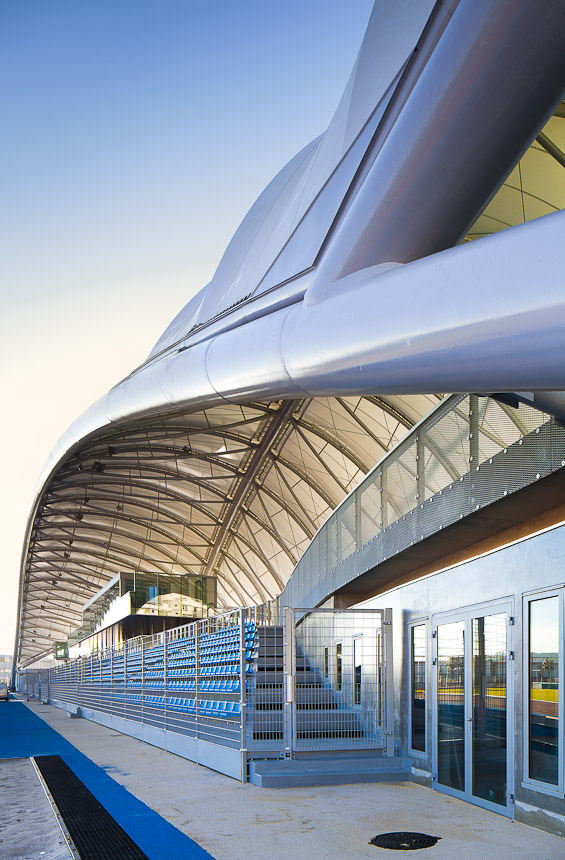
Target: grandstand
column 388, row 597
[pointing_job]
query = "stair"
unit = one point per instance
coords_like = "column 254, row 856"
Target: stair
column 320, row 718
column 318, row 714
column 335, row 770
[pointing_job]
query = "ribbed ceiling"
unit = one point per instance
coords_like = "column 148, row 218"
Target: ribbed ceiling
column 234, row 492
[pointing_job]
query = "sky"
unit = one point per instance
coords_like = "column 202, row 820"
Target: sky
column 135, row 136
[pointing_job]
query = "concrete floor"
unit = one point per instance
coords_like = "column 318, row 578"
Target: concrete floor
column 28, row 827
column 239, row 822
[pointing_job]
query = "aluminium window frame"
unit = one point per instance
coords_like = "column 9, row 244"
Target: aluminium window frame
column 527, row 781
column 357, row 638
column 338, row 666
column 425, row 623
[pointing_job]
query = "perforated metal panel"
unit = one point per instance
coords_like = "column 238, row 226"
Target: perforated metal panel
column 471, row 451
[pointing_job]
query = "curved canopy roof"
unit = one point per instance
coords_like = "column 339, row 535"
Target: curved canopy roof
column 283, row 231
column 168, row 474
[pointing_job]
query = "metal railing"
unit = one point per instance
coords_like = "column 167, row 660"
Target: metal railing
column 245, row 684
column 470, row 451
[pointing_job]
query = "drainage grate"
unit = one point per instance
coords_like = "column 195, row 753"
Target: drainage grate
column 93, row 830
column 404, row 841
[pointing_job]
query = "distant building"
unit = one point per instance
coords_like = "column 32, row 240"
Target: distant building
column 6, row 668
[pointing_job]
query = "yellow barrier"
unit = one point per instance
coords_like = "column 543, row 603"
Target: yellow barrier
column 543, row 695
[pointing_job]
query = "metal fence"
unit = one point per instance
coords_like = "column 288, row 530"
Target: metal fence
column 245, row 684
column 470, row 451
column 338, row 676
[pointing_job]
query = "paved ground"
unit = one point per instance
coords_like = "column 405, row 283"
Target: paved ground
column 242, row 822
column 23, row 733
column 28, row 827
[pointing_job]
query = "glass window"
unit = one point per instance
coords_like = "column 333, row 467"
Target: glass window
column 357, row 661
column 326, row 662
column 543, row 690
column 451, row 704
column 338, row 667
column 418, row 687
column 489, row 722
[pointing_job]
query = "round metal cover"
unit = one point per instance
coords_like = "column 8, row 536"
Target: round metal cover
column 404, row 841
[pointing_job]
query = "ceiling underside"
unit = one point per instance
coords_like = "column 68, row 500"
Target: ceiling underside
column 235, row 492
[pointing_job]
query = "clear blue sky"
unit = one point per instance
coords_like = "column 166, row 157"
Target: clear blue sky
column 135, row 136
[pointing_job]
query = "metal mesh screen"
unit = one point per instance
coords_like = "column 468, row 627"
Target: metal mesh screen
column 467, row 453
column 339, row 681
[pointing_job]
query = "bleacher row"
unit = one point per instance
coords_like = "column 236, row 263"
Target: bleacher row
column 226, row 685
column 210, row 707
column 216, row 672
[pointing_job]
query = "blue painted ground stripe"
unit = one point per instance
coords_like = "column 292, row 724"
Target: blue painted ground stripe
column 24, row 734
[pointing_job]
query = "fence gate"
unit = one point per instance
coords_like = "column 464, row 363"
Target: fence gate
column 337, row 680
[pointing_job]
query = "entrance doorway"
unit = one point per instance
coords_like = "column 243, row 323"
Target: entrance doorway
column 473, row 706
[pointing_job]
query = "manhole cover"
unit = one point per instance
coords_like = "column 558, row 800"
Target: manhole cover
column 404, row 841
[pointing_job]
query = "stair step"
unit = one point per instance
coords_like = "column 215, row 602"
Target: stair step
column 327, row 771
column 316, row 720
column 276, row 661
column 318, row 712
column 314, row 699
column 267, row 676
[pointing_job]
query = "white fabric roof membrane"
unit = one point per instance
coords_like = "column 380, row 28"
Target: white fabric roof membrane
column 235, row 492
column 535, row 187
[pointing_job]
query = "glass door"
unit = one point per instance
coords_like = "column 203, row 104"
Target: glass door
column 472, row 706
column 450, row 662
